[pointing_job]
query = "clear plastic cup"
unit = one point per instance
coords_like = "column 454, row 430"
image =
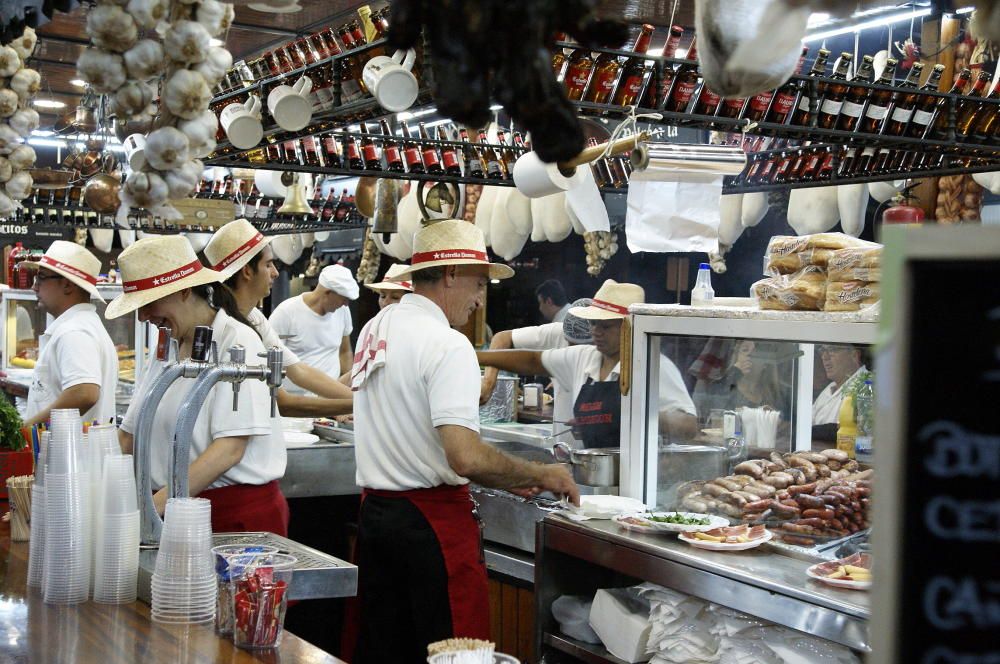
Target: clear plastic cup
column 119, row 490
column 260, row 599
column 116, row 558
column 230, row 559
column 36, row 552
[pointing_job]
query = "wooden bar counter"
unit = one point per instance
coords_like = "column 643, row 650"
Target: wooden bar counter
column 32, row 631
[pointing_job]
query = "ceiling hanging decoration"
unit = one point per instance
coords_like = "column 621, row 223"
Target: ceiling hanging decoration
column 175, row 48
column 17, row 120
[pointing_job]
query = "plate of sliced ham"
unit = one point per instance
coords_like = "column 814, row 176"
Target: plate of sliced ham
column 853, row 572
column 728, row 538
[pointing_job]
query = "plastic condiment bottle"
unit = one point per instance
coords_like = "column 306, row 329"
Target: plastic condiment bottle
column 702, row 294
column 864, row 407
column 847, row 429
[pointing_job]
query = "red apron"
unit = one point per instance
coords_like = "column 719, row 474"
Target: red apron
column 248, row 508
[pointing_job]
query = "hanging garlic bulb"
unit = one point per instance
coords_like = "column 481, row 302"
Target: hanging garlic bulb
column 22, row 157
column 18, row 187
column 133, row 98
column 186, row 94
column 216, row 64
column 215, row 16
column 25, row 44
column 104, row 71
column 148, row 13
column 182, row 181
column 8, row 102
column 10, row 61
column 6, row 170
column 26, row 82
column 144, row 60
column 24, row 121
column 7, row 206
column 146, row 190
column 166, row 149
column 187, row 42
column 111, row 28
column 200, row 132
column 9, row 139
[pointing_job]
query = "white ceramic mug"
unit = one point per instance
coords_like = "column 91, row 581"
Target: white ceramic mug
column 290, row 105
column 242, row 124
column 391, row 81
column 135, row 151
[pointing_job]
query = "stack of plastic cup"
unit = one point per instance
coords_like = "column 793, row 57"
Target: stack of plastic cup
column 36, row 552
column 184, row 586
column 116, row 550
column 66, row 577
column 230, row 560
column 102, row 441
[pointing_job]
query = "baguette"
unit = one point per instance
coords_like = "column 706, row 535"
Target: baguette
column 851, row 295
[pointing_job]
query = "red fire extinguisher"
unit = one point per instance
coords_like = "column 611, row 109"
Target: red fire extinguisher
column 902, row 211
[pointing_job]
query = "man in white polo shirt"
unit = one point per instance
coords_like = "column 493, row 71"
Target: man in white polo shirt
column 317, row 325
column 416, row 426
column 78, row 364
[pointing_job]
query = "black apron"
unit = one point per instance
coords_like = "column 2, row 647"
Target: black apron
column 597, row 414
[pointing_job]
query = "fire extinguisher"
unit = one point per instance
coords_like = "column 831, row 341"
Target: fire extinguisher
column 902, row 210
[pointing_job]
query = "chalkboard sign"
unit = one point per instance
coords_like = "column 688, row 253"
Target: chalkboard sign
column 947, row 590
column 33, row 236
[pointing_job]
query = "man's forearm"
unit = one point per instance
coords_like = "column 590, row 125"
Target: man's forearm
column 492, row 468
column 318, row 382
column 503, row 340
column 81, row 397
column 522, row 362
column 678, row 425
column 297, row 405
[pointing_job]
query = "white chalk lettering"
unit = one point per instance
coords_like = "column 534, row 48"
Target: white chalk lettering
column 951, row 604
column 965, row 520
column 943, row 655
column 957, row 452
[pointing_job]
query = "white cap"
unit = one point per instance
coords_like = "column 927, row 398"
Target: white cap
column 339, row 279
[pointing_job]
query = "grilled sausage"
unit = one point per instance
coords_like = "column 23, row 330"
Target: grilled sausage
column 751, row 468
column 826, row 514
column 802, row 488
column 810, row 502
column 836, row 455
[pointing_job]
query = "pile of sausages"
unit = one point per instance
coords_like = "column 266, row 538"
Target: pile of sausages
column 803, row 495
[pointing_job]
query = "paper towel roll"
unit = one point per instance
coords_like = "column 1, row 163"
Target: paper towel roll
column 269, row 183
column 535, row 178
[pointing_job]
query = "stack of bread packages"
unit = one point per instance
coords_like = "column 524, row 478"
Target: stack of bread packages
column 798, row 273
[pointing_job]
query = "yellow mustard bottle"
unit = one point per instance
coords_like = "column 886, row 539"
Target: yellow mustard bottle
column 847, row 428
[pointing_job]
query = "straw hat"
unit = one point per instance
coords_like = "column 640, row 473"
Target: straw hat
column 611, row 301
column 451, row 242
column 70, row 260
column 155, row 267
column 233, row 246
column 391, row 280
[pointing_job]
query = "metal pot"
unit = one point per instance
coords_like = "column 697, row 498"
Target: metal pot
column 101, row 193
column 681, row 463
column 596, row 466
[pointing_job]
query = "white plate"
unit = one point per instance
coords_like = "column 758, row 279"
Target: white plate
column 722, row 546
column 713, row 522
column 296, row 439
column 635, row 527
column 840, row 583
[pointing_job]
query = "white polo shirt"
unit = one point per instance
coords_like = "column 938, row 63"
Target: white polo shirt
column 76, row 350
column 270, row 337
column 574, row 365
column 430, row 379
column 264, row 459
column 826, row 407
column 313, row 338
column 549, row 337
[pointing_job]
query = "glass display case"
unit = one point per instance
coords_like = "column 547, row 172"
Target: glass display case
column 734, row 384
column 25, row 321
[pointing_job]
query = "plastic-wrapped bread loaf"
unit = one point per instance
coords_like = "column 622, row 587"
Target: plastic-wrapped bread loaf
column 856, row 265
column 803, row 291
column 793, row 262
column 851, row 295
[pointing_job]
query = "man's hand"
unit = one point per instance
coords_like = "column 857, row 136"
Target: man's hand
column 489, row 384
column 556, row 478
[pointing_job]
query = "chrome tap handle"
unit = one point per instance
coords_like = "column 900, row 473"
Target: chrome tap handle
column 163, row 344
column 275, row 373
column 237, row 355
column 202, row 343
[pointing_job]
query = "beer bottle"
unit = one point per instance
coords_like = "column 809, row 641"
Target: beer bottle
column 494, row 168
column 879, row 100
column 802, row 116
column 507, row 156
column 634, row 71
column 854, row 102
column 923, row 110
column 784, row 98
column 411, row 153
column 834, row 93
column 986, row 117
column 326, row 214
column 904, row 102
column 969, row 109
column 429, row 153
column 312, row 157
column 608, row 67
column 352, row 155
column 331, row 152
column 578, row 71
column 449, row 154
column 390, row 148
column 369, row 152
column 655, row 92
column 559, row 57
column 685, row 83
column 473, row 161
column 939, row 128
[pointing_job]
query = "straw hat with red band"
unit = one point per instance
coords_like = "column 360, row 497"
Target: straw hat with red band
column 451, row 242
column 391, row 280
column 233, row 246
column 73, row 262
column 611, row 301
column 155, row 267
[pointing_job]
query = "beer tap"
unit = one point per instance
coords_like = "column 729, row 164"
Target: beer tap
column 235, row 371
column 166, row 348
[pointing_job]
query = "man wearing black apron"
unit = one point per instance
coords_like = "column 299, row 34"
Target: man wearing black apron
column 422, row 576
column 592, row 373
